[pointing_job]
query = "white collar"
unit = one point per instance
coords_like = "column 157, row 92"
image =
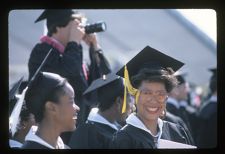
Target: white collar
column 213, row 99
column 183, row 103
column 136, row 122
column 173, row 101
column 14, row 143
column 31, row 136
column 96, row 117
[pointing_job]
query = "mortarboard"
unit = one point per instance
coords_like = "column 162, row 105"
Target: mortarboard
column 55, row 16
column 146, row 58
column 150, row 58
column 213, row 79
column 213, row 70
column 14, row 89
column 108, row 87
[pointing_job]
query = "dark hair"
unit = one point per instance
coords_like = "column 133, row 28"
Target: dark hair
column 107, row 95
column 157, row 75
column 23, row 116
column 52, row 27
column 213, row 83
column 45, row 87
column 54, row 97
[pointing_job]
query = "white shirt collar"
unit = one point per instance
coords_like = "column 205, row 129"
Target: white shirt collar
column 213, row 99
column 136, row 122
column 31, row 136
column 183, row 103
column 96, row 117
column 14, row 143
column 173, row 101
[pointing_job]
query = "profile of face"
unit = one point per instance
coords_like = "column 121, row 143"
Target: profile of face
column 129, row 105
column 26, row 124
column 67, row 110
column 183, row 91
column 152, row 100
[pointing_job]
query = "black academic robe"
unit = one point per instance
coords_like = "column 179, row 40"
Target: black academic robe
column 130, row 137
column 91, row 135
column 188, row 114
column 177, row 120
column 173, row 109
column 36, row 145
column 180, row 112
column 206, row 131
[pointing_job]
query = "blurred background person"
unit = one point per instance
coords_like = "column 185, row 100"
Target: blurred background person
column 206, row 132
column 177, row 103
column 65, row 33
column 51, row 99
column 102, row 121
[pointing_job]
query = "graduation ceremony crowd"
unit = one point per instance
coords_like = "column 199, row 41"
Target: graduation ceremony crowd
column 68, row 104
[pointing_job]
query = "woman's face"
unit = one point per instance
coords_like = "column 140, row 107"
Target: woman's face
column 152, row 100
column 67, row 110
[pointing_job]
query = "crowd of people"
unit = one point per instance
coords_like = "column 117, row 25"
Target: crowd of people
column 67, row 103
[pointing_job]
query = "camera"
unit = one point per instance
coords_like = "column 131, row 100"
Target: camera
column 96, row 27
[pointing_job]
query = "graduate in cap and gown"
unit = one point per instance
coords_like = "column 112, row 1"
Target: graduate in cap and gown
column 206, row 131
column 65, row 34
column 51, row 99
column 102, row 123
column 152, row 78
column 177, row 103
column 18, row 131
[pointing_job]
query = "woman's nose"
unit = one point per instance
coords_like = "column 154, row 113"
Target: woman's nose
column 76, row 107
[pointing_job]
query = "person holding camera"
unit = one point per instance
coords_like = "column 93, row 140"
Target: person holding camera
column 63, row 44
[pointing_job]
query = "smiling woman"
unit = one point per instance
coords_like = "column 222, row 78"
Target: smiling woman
column 51, row 99
column 152, row 78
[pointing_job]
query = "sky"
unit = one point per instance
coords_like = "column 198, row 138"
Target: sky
column 204, row 19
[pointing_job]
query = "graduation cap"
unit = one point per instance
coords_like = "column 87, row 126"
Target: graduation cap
column 108, row 87
column 55, row 16
column 213, row 70
column 147, row 58
column 213, row 79
column 14, row 89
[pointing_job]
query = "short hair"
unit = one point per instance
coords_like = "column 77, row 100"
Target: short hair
column 63, row 23
column 213, row 83
column 156, row 75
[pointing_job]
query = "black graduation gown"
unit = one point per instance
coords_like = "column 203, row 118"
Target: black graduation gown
column 36, row 145
column 130, row 137
column 172, row 109
column 188, row 114
column 91, row 135
column 206, row 131
column 182, row 113
column 33, row 145
column 177, row 120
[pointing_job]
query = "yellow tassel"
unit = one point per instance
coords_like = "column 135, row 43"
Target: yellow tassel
column 124, row 100
column 130, row 88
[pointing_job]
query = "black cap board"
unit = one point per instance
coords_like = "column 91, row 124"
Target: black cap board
column 150, row 58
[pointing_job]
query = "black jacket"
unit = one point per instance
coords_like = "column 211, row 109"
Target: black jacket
column 131, row 137
column 91, row 135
